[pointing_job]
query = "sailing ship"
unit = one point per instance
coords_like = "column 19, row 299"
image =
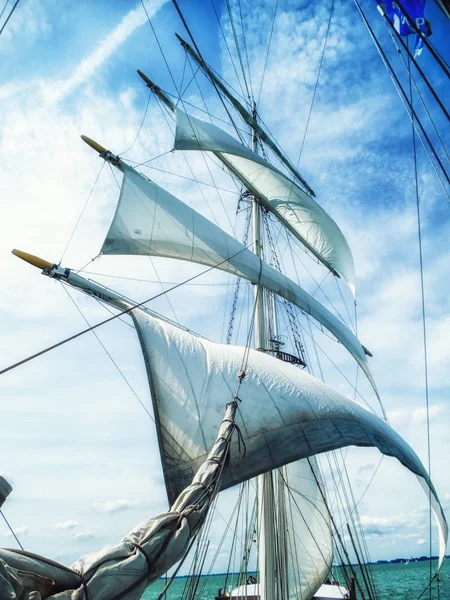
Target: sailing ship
column 285, row 417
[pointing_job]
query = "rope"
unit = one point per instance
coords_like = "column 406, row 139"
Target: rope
column 407, row 104
column 109, row 355
column 183, row 20
column 238, row 284
column 424, row 323
column 236, row 42
column 81, row 214
column 140, row 126
column 9, row 16
column 229, row 52
column 245, row 48
column 4, row 8
column 444, row 148
column 424, row 39
column 160, row 47
column 121, row 313
column 416, row 64
column 315, row 87
column 267, row 53
column 11, row 529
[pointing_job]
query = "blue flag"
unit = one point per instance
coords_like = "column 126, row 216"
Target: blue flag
column 414, row 9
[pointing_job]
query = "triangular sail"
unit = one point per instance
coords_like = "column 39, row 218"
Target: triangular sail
column 150, row 221
column 284, row 414
column 298, row 211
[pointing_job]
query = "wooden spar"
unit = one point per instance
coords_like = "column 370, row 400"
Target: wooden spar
column 103, row 152
column 157, row 91
column 40, row 263
column 248, row 118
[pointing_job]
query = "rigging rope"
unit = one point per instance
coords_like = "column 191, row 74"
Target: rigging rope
column 81, row 214
column 109, row 355
column 238, row 283
column 416, row 64
column 424, row 322
column 119, row 314
column 425, row 40
column 9, row 16
column 4, row 8
column 407, row 104
column 11, row 530
column 229, row 51
column 267, row 53
column 245, row 50
column 236, row 42
column 140, row 126
column 444, row 148
column 315, row 88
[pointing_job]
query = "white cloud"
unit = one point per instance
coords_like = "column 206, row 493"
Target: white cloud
column 82, row 535
column 65, row 525
column 417, row 415
column 105, row 49
column 421, row 541
column 115, row 505
column 19, row 531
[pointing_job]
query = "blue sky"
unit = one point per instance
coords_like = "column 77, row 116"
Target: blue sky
column 82, row 459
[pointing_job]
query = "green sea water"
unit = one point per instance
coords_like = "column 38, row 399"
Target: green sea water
column 393, row 582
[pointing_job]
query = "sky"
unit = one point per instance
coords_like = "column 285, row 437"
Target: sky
column 76, row 444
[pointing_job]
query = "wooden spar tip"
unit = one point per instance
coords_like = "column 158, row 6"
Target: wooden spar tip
column 182, row 42
column 149, row 83
column 100, row 149
column 40, row 263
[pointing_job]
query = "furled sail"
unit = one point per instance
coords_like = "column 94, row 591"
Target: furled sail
column 284, row 414
column 150, row 221
column 123, row 572
column 307, row 528
column 298, row 211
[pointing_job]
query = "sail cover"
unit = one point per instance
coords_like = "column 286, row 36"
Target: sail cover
column 307, row 528
column 150, row 221
column 284, row 414
column 304, row 217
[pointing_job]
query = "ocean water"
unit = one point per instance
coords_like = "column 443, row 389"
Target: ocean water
column 393, row 582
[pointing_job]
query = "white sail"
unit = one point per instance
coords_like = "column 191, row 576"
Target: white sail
column 150, row 221
column 284, row 414
column 309, row 553
column 304, row 217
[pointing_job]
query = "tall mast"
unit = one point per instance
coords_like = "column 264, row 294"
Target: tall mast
column 266, row 504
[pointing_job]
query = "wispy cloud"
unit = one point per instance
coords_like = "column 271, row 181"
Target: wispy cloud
column 83, row 535
column 65, row 525
column 86, row 69
column 18, row 531
column 115, row 505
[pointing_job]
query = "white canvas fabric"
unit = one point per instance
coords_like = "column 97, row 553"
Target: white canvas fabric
column 284, row 414
column 308, row 529
column 150, row 221
column 305, row 218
